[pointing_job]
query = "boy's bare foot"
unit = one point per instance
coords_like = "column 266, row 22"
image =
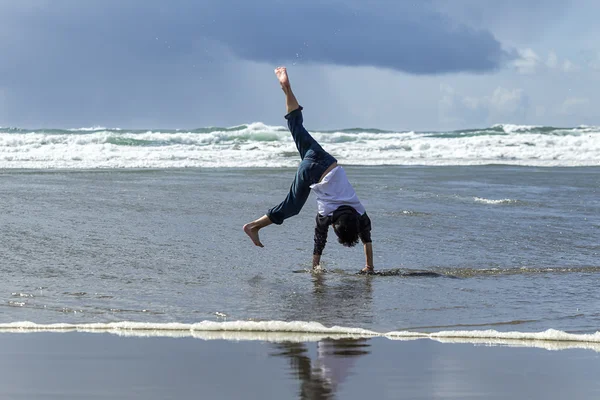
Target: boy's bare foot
column 282, row 75
column 252, row 232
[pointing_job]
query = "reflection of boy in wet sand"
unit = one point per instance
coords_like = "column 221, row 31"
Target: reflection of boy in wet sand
column 338, row 204
column 335, row 361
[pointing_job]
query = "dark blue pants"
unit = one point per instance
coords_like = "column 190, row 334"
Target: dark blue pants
column 315, row 162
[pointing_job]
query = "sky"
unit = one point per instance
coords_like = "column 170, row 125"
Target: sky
column 387, row 64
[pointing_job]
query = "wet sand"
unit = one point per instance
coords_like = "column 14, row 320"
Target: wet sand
column 107, row 366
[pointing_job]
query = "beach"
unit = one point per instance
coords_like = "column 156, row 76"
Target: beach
column 128, row 282
column 170, row 172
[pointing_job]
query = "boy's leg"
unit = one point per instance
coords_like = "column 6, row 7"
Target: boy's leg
column 290, row 100
column 293, row 203
column 304, row 141
column 300, row 188
column 296, row 197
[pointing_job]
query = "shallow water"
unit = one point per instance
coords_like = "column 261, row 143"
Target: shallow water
column 517, row 249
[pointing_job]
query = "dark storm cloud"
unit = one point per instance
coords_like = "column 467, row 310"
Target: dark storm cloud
column 405, row 36
column 72, row 61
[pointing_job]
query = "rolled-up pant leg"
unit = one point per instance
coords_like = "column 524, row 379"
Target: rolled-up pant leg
column 304, row 141
column 297, row 196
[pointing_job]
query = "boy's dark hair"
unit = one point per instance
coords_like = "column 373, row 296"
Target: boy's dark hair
column 346, row 226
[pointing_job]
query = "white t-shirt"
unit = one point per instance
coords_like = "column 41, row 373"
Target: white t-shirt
column 334, row 191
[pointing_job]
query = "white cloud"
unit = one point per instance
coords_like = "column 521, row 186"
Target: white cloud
column 507, row 106
column 566, row 65
column 502, row 105
column 506, row 101
column 457, row 110
column 578, row 110
column 595, row 62
column 552, row 61
column 527, row 63
column 569, row 66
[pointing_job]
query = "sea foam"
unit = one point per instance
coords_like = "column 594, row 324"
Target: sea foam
column 261, row 145
column 495, row 202
column 300, row 331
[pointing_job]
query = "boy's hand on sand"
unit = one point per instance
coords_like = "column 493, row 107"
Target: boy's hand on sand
column 282, row 75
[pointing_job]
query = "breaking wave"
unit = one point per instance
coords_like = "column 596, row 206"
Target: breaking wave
column 299, row 331
column 495, row 202
column 260, row 145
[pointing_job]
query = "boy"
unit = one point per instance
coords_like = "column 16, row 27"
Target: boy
column 337, row 202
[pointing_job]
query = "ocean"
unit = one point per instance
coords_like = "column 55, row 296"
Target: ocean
column 139, row 232
column 260, row 145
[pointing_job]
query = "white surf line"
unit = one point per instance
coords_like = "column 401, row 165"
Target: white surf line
column 491, row 201
column 299, row 331
column 182, row 329
column 551, row 335
column 270, row 331
column 550, row 339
